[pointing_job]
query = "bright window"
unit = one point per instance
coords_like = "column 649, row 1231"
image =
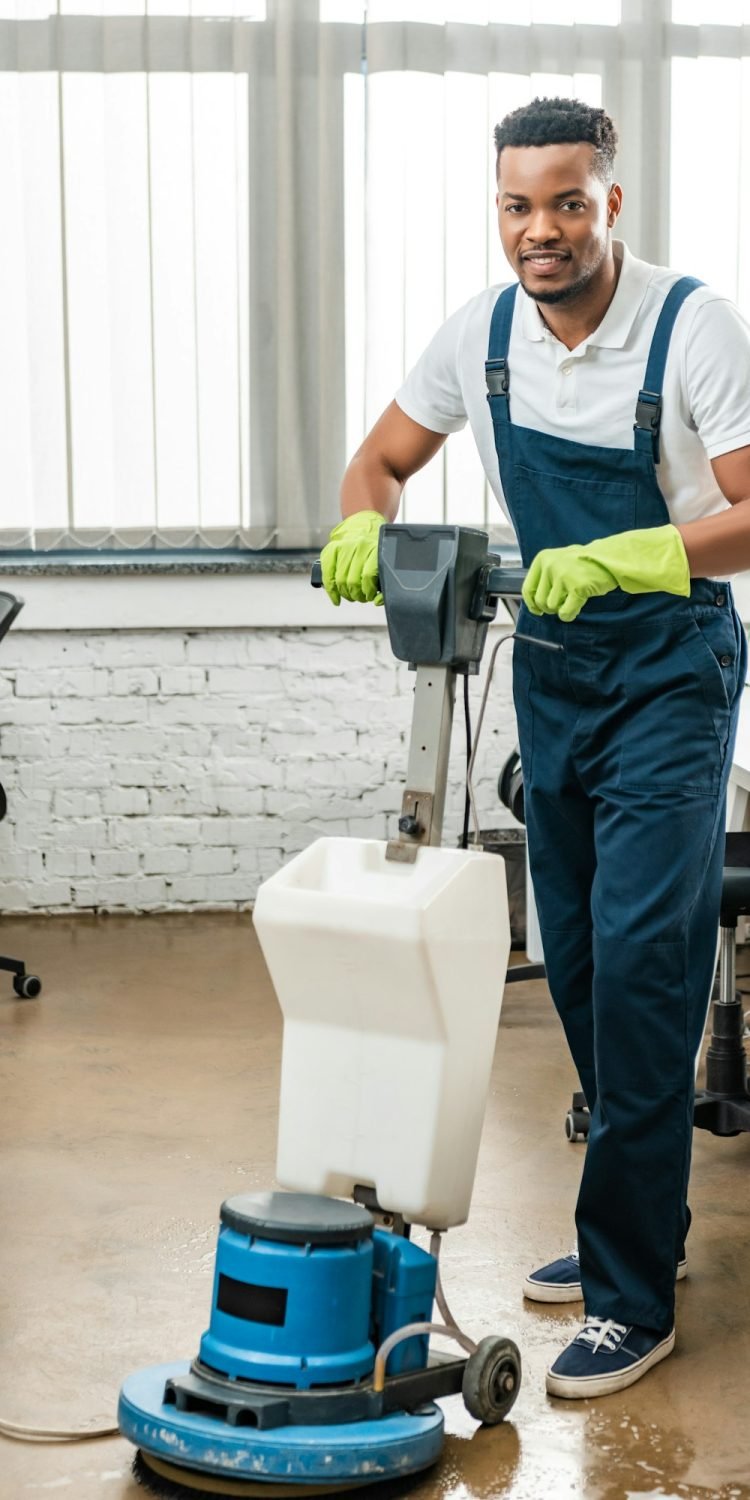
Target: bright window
column 214, row 280
column 478, row 12
column 711, row 12
column 35, row 10
column 710, row 208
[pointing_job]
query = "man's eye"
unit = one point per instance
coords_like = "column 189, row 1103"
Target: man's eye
column 573, row 203
column 511, row 208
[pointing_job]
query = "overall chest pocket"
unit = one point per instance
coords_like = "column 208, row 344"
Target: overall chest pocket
column 556, row 510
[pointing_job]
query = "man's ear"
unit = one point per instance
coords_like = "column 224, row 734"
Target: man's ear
column 614, row 204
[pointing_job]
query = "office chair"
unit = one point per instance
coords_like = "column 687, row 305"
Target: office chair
column 723, row 1106
column 26, row 986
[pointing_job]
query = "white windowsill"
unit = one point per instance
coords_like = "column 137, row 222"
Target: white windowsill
column 178, row 601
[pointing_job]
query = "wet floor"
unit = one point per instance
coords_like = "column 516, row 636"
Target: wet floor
column 140, row 1090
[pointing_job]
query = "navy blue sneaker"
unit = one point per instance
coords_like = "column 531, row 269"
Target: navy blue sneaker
column 560, row 1281
column 606, row 1357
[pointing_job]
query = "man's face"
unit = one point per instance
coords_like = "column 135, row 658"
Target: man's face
column 555, row 215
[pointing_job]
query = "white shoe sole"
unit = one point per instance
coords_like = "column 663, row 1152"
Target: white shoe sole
column 606, row 1385
column 549, row 1291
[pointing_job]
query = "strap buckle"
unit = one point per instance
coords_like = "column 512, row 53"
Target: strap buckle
column 648, row 418
column 498, row 376
column 648, row 411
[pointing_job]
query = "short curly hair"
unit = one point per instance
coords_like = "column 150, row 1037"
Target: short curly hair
column 552, row 122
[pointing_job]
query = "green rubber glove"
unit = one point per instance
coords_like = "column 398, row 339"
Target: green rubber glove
column 349, row 560
column 651, row 561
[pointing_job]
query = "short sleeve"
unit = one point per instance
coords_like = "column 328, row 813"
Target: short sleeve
column 431, row 393
column 717, row 376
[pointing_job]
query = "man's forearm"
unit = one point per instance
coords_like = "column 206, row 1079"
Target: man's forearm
column 368, row 485
column 717, row 545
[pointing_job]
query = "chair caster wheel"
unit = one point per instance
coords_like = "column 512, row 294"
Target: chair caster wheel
column 492, row 1380
column 577, row 1123
column 27, row 986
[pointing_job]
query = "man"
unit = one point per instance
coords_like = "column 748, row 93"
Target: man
column 626, row 728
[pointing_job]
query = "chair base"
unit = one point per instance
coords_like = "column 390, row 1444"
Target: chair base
column 26, row 986
column 13, row 966
column 723, row 1106
column 722, row 1114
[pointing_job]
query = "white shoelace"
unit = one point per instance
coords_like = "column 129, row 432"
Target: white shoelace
column 602, row 1333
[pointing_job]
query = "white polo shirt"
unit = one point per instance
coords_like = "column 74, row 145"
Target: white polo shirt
column 588, row 394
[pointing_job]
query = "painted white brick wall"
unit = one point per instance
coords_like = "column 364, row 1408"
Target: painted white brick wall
column 173, row 770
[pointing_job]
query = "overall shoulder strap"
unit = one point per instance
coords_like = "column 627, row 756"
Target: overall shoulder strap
column 496, row 363
column 648, row 408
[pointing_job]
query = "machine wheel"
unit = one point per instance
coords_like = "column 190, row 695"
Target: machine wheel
column 577, row 1123
column 27, row 986
column 492, row 1379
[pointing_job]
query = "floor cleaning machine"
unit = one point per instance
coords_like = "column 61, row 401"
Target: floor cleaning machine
column 315, row 1374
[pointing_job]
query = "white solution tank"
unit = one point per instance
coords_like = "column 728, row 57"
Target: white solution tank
column 390, row 978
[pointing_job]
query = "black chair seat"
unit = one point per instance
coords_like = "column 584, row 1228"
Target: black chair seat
column 735, row 893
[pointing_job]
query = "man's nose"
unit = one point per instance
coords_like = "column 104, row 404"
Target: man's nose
column 542, row 227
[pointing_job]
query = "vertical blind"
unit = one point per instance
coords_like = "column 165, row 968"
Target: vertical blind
column 230, row 227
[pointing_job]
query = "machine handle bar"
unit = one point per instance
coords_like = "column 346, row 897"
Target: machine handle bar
column 500, row 582
column 505, row 583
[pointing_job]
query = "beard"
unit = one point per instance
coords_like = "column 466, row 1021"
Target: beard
column 566, row 293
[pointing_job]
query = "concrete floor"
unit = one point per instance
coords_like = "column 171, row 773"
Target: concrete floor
column 140, row 1090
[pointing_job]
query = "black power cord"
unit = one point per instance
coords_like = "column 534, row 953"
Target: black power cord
column 467, row 804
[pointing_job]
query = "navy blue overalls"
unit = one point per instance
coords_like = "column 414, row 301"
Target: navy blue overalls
column 626, row 730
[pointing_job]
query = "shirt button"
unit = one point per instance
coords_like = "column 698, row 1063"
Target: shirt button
column 720, row 599
column 566, row 369
column 726, row 661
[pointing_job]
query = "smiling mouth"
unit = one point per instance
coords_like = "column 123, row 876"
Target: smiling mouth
column 545, row 258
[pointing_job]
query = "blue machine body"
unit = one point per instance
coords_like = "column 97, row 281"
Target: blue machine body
column 310, row 1314
column 305, row 1290
column 290, row 1314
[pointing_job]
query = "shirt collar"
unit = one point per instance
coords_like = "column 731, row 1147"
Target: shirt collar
column 615, row 327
